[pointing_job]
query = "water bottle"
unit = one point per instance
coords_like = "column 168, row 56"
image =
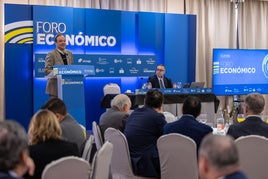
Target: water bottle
column 174, row 85
column 144, row 86
column 149, row 85
column 220, row 122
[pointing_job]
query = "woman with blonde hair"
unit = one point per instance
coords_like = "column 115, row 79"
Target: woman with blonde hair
column 45, row 141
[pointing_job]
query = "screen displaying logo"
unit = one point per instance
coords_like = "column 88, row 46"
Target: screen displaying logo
column 265, row 66
column 240, row 71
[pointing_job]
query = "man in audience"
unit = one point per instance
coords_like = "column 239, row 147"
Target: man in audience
column 188, row 125
column 71, row 130
column 117, row 115
column 218, row 158
column 14, row 155
column 159, row 80
column 144, row 126
column 253, row 124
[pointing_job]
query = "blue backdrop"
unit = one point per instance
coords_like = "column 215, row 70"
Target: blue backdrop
column 29, row 30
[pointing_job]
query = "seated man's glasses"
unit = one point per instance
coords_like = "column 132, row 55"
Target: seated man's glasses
column 159, row 69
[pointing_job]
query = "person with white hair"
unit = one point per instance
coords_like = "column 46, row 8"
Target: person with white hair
column 117, row 115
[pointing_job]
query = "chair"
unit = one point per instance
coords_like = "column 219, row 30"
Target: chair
column 178, row 156
column 84, row 130
column 252, row 151
column 89, row 146
column 121, row 167
column 111, row 88
column 97, row 135
column 68, row 168
column 169, row 117
column 102, row 161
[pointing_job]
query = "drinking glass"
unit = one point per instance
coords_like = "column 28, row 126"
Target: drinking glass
column 203, row 118
column 265, row 118
column 179, row 85
column 240, row 118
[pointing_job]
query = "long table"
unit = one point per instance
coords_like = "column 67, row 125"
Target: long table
column 173, row 99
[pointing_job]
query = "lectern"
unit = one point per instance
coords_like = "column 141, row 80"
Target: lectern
column 71, row 88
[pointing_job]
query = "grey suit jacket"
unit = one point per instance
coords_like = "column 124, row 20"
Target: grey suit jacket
column 54, row 58
column 73, row 132
column 114, row 118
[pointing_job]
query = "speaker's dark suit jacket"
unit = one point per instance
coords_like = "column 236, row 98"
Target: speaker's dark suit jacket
column 253, row 125
column 187, row 125
column 155, row 82
column 54, row 58
column 144, row 126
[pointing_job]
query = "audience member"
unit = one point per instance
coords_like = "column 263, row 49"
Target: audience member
column 188, row 125
column 58, row 56
column 253, row 124
column 46, row 144
column 117, row 115
column 218, row 158
column 71, row 130
column 14, row 155
column 144, row 126
column 159, row 80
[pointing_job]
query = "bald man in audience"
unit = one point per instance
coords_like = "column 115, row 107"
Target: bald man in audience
column 253, row 124
column 219, row 159
column 117, row 115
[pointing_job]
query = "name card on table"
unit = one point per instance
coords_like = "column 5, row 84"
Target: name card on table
column 180, row 91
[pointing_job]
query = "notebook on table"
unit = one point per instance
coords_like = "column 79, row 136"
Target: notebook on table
column 197, row 85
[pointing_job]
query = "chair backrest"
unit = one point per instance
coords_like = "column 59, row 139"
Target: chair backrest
column 102, row 161
column 88, row 147
column 178, row 156
column 111, row 88
column 97, row 135
column 84, row 130
column 121, row 164
column 68, row 168
column 169, row 117
column 252, row 155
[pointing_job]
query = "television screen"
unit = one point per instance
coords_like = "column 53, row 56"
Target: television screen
column 240, row 71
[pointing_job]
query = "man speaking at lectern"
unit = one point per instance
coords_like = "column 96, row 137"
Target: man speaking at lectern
column 58, row 56
column 159, row 80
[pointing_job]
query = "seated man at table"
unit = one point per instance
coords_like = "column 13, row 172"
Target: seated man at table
column 144, row 126
column 188, row 125
column 253, row 124
column 159, row 80
column 117, row 115
column 218, row 158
